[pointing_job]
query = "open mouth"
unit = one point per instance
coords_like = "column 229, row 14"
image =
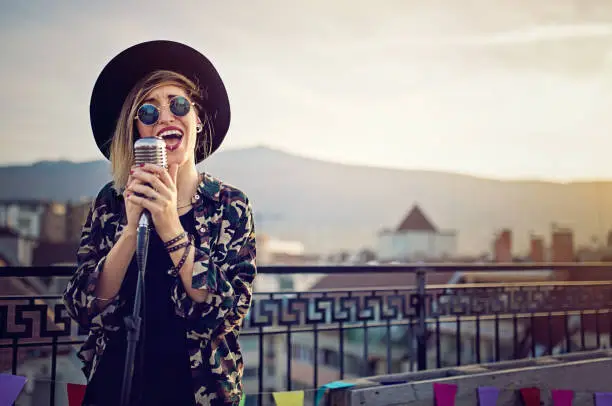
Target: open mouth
column 173, row 139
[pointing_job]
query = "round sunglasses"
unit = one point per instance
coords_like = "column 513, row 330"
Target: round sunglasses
column 148, row 113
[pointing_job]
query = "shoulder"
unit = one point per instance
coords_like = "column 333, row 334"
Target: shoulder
column 107, row 202
column 223, row 192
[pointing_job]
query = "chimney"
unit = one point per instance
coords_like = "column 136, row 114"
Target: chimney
column 562, row 245
column 536, row 252
column 503, row 246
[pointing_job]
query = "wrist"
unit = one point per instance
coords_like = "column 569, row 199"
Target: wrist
column 129, row 234
column 167, row 235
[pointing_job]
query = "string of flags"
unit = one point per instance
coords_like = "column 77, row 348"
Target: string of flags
column 444, row 394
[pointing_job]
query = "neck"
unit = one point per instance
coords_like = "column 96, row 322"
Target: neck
column 187, row 180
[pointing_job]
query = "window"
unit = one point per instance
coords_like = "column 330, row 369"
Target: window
column 330, row 358
column 24, row 224
column 250, row 372
column 302, row 353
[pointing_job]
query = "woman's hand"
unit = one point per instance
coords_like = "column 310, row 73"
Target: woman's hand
column 158, row 187
column 133, row 210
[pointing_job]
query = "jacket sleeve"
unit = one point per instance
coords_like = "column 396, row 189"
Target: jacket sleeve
column 229, row 281
column 79, row 294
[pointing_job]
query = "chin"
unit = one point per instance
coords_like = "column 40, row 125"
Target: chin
column 177, row 157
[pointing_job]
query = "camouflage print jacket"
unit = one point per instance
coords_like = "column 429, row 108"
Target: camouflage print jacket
column 224, row 265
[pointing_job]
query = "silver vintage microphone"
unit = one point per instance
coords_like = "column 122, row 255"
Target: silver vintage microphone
column 149, row 150
column 146, row 151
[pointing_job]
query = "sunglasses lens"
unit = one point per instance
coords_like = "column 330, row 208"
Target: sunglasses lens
column 180, row 106
column 148, row 114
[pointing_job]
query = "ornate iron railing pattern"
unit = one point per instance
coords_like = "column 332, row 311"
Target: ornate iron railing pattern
column 410, row 319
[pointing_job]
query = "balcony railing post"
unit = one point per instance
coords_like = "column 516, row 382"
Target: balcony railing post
column 421, row 330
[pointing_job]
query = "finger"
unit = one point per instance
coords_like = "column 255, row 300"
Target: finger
column 147, row 191
column 162, row 173
column 144, row 203
column 153, row 181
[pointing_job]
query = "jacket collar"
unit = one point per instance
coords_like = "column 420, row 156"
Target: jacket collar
column 209, row 187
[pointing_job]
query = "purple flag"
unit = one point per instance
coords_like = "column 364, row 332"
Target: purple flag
column 562, row 397
column 603, row 399
column 487, row 395
column 10, row 388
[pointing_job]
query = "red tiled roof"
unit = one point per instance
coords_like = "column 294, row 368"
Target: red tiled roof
column 49, row 253
column 416, row 220
column 9, row 231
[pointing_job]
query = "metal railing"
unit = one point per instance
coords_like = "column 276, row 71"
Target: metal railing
column 294, row 340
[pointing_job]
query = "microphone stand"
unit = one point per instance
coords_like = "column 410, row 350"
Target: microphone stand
column 133, row 322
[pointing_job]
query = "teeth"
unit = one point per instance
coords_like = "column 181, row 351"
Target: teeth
column 170, row 132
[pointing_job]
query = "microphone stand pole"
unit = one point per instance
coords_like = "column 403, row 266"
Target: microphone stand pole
column 133, row 322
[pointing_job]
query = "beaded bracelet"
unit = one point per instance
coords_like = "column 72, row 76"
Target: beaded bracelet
column 175, row 239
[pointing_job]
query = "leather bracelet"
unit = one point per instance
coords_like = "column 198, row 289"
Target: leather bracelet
column 178, row 246
column 178, row 267
column 175, row 239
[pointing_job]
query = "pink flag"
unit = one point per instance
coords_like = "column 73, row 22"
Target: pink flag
column 76, row 393
column 487, row 396
column 445, row 394
column 531, row 396
column 562, row 397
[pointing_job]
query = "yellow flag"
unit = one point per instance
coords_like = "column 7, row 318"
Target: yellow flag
column 294, row 398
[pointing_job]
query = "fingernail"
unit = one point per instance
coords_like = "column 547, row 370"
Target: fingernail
column 131, row 172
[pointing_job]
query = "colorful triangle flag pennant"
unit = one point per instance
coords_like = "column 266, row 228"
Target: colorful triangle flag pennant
column 603, row 399
column 76, row 393
column 10, row 388
column 531, row 396
column 293, row 398
column 444, row 394
column 487, row 395
column 562, row 397
column 331, row 385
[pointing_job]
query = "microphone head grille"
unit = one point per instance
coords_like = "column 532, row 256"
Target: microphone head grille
column 150, row 150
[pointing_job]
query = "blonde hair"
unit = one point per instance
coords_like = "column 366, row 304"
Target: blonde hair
column 122, row 143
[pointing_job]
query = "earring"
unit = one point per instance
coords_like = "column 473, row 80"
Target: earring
column 199, row 127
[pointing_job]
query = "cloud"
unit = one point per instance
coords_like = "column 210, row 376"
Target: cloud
column 405, row 83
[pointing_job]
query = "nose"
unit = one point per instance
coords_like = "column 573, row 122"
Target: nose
column 165, row 115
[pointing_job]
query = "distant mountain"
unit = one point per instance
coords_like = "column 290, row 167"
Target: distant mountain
column 331, row 206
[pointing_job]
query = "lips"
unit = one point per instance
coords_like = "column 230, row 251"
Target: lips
column 173, row 136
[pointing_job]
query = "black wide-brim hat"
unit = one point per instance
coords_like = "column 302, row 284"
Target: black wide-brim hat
column 127, row 68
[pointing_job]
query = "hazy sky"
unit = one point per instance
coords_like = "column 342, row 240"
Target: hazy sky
column 495, row 88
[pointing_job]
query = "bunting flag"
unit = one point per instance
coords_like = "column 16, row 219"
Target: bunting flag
column 487, row 396
column 76, row 393
column 293, row 398
column 332, row 385
column 531, row 396
column 562, row 397
column 10, row 388
column 445, row 393
column 603, row 399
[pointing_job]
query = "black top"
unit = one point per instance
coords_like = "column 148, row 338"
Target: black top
column 163, row 369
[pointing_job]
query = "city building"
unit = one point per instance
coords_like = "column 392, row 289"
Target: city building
column 416, row 238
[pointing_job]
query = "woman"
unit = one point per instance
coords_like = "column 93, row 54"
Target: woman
column 201, row 256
